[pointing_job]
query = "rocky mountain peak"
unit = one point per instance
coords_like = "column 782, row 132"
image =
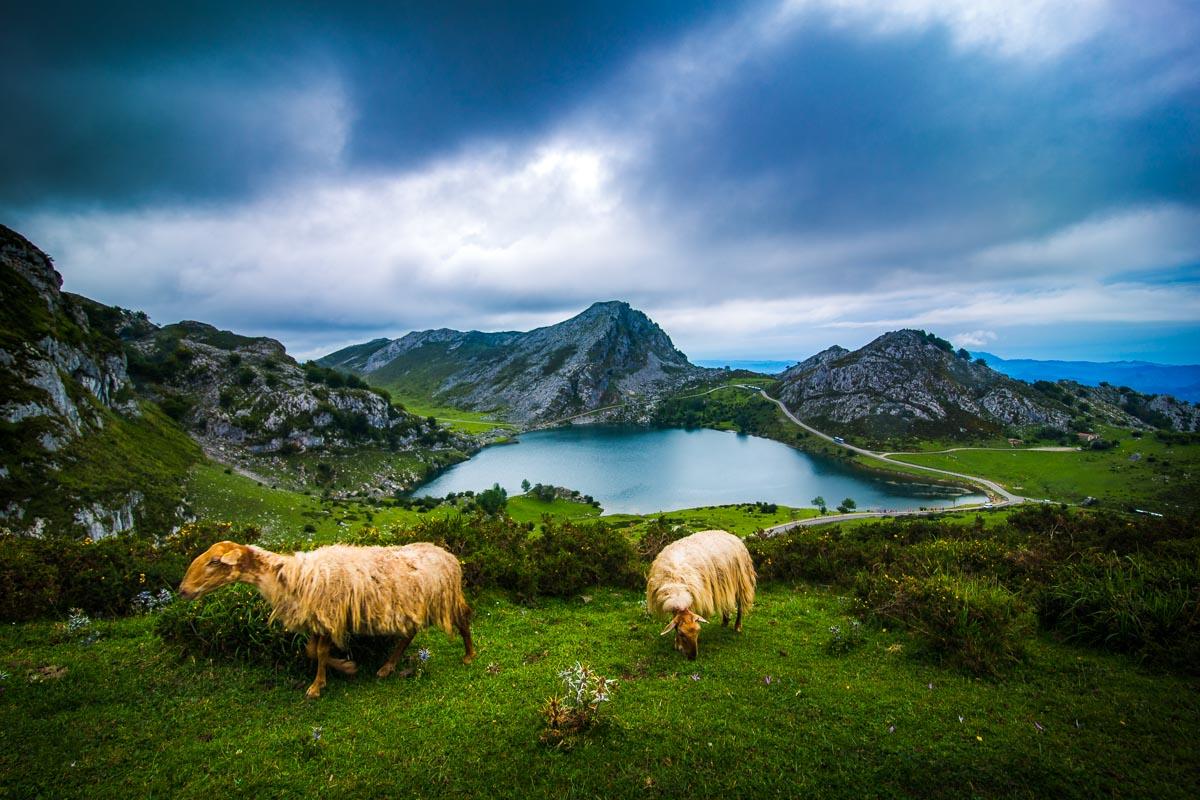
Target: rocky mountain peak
column 606, row 353
column 912, row 382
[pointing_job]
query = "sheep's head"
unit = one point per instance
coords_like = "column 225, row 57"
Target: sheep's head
column 687, row 632
column 223, row 563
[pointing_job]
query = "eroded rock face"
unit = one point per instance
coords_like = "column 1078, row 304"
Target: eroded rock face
column 246, row 392
column 604, row 356
column 58, row 370
column 903, row 382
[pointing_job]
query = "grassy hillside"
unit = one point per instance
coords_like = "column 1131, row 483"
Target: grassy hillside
column 1136, row 472
column 148, row 454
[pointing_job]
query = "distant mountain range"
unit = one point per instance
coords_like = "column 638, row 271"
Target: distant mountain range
column 1182, row 382
column 766, row 367
column 604, row 356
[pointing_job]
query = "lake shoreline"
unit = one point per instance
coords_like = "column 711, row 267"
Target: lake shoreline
column 623, row 467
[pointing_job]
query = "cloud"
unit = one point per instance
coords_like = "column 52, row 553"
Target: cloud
column 762, row 178
column 973, row 339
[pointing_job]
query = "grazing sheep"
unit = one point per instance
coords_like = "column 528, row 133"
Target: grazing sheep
column 703, row 574
column 335, row 591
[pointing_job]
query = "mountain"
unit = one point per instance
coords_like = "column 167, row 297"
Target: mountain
column 80, row 452
column 97, row 404
column 1181, row 381
column 603, row 356
column 912, row 383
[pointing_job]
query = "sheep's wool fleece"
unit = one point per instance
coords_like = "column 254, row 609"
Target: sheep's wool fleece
column 338, row 590
column 708, row 572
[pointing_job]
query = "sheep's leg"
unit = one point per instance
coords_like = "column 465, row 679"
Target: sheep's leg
column 468, row 645
column 389, row 666
column 318, row 649
column 464, row 628
column 737, row 623
column 343, row 665
column 724, row 618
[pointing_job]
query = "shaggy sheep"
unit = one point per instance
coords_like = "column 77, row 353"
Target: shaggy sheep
column 335, row 591
column 703, row 574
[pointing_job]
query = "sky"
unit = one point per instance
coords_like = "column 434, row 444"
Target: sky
column 764, row 179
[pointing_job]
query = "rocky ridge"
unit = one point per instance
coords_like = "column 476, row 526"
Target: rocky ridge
column 911, row 383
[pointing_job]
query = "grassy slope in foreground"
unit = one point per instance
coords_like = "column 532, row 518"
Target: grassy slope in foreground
column 873, row 722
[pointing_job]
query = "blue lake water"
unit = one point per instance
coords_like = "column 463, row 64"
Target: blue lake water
column 641, row 471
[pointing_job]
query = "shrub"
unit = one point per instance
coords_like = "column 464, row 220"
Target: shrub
column 568, row 558
column 497, row 552
column 824, row 555
column 1135, row 604
column 974, row 623
column 230, row 623
column 40, row 577
column 577, row 709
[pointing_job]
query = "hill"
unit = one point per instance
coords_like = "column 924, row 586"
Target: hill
column 910, row 383
column 80, row 451
column 607, row 354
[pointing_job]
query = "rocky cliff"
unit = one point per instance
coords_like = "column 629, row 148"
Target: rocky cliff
column 238, row 391
column 606, row 355
column 79, row 452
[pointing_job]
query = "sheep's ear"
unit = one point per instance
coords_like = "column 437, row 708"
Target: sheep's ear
column 670, row 626
column 700, row 618
column 232, row 557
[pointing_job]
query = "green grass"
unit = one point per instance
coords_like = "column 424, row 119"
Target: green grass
column 742, row 519
column 1161, row 478
column 454, row 418
column 527, row 508
column 129, row 719
column 282, row 514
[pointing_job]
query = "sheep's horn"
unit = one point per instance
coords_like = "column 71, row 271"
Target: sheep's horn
column 670, row 627
column 700, row 618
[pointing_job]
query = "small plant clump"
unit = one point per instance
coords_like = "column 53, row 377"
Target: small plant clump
column 577, row 710
column 844, row 638
column 147, row 602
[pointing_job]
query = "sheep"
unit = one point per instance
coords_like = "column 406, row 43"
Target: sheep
column 703, row 574
column 334, row 591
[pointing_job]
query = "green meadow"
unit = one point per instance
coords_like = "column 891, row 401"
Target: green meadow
column 1143, row 472
column 771, row 712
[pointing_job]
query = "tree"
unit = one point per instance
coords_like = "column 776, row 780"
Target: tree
column 819, row 502
column 493, row 500
column 981, row 362
column 963, row 354
column 525, row 486
column 847, row 505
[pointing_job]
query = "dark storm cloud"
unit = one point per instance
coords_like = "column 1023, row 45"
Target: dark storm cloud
column 832, row 131
column 765, row 178
column 112, row 104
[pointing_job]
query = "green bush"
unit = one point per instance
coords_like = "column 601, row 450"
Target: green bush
column 562, row 559
column 45, row 577
column 1135, row 604
column 974, row 623
column 233, row 622
column 824, row 555
column 569, row 558
column 230, row 623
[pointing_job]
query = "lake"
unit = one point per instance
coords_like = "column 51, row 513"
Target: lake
column 642, row 471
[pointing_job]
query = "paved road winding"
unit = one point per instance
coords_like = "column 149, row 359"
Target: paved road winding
column 999, row 495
